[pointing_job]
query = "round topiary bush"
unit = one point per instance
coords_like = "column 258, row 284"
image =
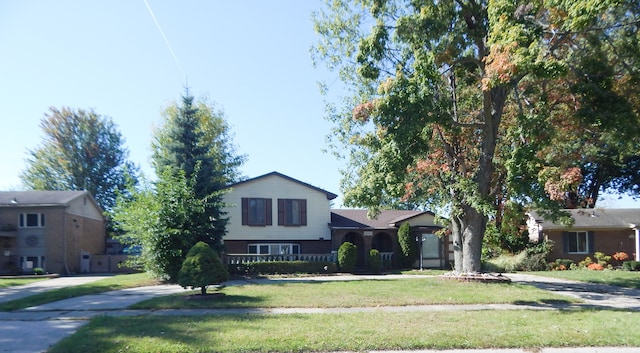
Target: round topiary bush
column 202, row 267
column 347, row 256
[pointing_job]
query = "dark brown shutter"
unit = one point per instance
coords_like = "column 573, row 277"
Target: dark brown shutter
column 267, row 209
column 280, row 212
column 303, row 212
column 245, row 211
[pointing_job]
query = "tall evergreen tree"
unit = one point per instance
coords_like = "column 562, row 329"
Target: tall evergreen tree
column 195, row 140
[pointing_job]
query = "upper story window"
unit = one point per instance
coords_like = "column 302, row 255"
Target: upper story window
column 292, row 212
column 31, row 220
column 256, row 212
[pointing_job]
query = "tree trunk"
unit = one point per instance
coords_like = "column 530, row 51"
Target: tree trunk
column 456, row 234
column 203, row 290
column 472, row 236
column 467, row 231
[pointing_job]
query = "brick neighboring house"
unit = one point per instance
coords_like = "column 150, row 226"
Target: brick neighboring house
column 598, row 229
column 274, row 216
column 57, row 231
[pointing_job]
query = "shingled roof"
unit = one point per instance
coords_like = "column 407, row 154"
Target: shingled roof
column 330, row 195
column 38, row 197
column 603, row 218
column 357, row 218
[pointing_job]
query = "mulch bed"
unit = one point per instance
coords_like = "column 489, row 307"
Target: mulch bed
column 476, row 277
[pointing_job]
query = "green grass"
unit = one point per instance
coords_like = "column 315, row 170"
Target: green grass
column 10, row 282
column 355, row 332
column 629, row 279
column 370, row 293
column 103, row 285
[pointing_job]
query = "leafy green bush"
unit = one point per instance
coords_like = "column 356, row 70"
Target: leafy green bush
column 347, row 257
column 561, row 264
column 631, row 266
column 282, row 267
column 408, row 246
column 530, row 259
column 375, row 261
column 202, row 267
column 38, row 271
column 602, row 259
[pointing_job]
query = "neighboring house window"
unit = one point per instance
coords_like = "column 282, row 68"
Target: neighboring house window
column 292, row 212
column 31, row 220
column 273, row 249
column 577, row 242
column 256, row 212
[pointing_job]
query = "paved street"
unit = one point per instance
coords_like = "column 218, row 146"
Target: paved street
column 54, row 321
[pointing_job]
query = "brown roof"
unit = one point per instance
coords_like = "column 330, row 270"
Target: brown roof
column 593, row 218
column 357, row 218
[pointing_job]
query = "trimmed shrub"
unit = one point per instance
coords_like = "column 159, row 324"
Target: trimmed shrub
column 38, row 271
column 561, row 264
column 375, row 261
column 202, row 267
column 347, row 257
column 631, row 266
column 408, row 246
column 282, row 268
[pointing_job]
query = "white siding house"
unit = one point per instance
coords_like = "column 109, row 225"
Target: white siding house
column 275, row 214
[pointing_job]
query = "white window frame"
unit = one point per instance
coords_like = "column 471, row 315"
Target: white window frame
column 274, row 248
column 24, row 220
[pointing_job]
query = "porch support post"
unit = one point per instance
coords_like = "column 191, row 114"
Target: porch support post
column 637, row 231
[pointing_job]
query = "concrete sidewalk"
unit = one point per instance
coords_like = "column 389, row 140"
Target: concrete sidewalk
column 23, row 291
column 57, row 320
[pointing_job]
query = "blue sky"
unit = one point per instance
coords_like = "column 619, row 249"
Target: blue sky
column 249, row 57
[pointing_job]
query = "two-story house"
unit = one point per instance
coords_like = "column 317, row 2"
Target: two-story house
column 274, row 215
column 57, row 231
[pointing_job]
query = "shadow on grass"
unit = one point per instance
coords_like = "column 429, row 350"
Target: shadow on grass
column 546, row 303
column 107, row 334
column 181, row 301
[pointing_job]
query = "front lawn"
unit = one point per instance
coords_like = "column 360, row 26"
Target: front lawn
column 355, row 332
column 364, row 293
column 10, row 282
column 629, row 279
column 103, row 285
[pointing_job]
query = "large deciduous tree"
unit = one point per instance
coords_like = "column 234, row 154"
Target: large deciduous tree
column 81, row 150
column 460, row 103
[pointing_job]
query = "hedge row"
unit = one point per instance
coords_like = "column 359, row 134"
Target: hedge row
column 282, row 267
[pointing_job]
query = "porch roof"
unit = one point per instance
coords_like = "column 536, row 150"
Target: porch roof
column 357, row 218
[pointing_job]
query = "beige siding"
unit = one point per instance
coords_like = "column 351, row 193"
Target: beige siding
column 275, row 187
column 83, row 207
column 423, row 220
